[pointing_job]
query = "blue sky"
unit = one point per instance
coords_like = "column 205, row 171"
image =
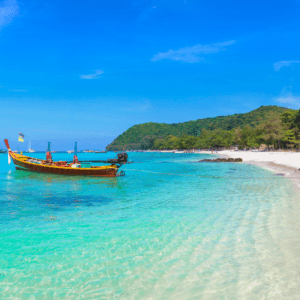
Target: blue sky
column 86, row 71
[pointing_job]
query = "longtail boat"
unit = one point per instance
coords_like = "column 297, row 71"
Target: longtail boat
column 74, row 167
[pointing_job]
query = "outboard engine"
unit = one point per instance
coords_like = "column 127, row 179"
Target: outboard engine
column 121, row 159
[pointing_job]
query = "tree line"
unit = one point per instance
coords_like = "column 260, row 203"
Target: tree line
column 277, row 131
column 246, row 130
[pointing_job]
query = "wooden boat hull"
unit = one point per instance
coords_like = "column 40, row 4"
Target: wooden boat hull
column 21, row 163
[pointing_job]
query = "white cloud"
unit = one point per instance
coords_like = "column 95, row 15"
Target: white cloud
column 95, row 75
column 284, row 63
column 192, row 54
column 22, row 91
column 291, row 101
column 8, row 10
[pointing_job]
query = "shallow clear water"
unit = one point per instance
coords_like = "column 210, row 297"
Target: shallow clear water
column 171, row 228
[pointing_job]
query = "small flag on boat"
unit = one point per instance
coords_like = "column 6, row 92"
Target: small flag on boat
column 21, row 137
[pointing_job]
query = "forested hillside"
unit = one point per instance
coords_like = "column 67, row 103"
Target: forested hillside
column 143, row 136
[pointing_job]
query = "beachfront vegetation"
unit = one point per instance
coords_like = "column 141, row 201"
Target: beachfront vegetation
column 274, row 126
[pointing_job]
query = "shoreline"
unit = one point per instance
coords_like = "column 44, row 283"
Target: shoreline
column 282, row 163
column 286, row 164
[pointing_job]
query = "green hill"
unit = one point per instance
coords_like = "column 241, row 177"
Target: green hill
column 142, row 136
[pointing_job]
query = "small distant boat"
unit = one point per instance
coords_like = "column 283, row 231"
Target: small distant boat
column 75, row 167
column 29, row 148
column 70, row 151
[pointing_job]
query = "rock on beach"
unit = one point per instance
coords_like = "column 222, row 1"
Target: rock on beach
column 222, row 160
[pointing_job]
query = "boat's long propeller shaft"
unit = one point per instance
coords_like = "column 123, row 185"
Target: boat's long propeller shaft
column 121, row 159
column 91, row 161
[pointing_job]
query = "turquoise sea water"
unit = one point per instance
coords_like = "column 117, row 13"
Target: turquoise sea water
column 171, row 228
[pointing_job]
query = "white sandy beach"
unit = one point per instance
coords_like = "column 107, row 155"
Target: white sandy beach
column 285, row 163
column 289, row 159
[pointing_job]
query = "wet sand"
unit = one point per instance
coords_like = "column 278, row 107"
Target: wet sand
column 288, row 166
column 282, row 170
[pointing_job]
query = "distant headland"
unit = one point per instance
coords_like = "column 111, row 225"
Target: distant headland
column 272, row 126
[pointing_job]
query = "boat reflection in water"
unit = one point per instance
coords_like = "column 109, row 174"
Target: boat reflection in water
column 55, row 192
